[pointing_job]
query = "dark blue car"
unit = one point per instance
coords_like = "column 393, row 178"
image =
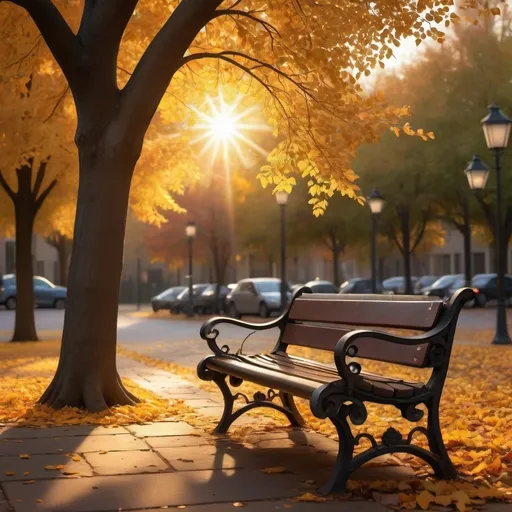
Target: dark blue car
column 46, row 294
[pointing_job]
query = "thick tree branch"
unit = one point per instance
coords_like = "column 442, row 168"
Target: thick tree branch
column 39, row 178
column 46, row 192
column 421, row 232
column 57, row 34
column 108, row 19
column 7, row 188
column 162, row 58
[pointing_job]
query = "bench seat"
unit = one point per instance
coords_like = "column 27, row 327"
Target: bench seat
column 301, row 377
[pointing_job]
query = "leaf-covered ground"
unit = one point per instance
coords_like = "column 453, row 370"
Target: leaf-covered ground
column 476, row 416
column 26, row 370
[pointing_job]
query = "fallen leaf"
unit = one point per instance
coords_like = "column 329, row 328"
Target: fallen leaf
column 424, row 499
column 24, row 456
column 238, row 504
column 103, row 452
column 76, row 458
column 9, row 473
column 39, row 500
column 29, row 482
column 26, row 473
column 275, row 469
column 311, row 498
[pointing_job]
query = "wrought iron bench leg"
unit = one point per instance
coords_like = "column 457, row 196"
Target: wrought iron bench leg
column 445, row 469
column 259, row 400
column 343, row 467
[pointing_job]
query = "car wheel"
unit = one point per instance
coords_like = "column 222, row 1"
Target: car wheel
column 263, row 310
column 155, row 309
column 59, row 304
column 481, row 300
column 10, row 303
column 232, row 311
column 470, row 304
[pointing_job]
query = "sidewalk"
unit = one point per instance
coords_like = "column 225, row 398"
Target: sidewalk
column 173, row 464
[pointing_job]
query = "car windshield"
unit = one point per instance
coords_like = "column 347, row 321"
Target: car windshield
column 41, row 282
column 346, row 284
column 458, row 283
column 480, row 281
column 210, row 290
column 393, row 281
column 267, row 286
column 444, row 281
column 8, row 281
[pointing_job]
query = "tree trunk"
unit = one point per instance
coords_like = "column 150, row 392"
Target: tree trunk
column 63, row 257
column 406, row 244
column 87, row 375
column 24, row 325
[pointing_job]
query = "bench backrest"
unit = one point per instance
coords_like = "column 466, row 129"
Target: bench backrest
column 320, row 320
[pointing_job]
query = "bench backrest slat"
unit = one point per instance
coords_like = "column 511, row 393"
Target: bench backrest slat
column 371, row 310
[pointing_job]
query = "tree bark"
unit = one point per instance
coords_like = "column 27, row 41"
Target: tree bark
column 87, row 375
column 406, row 244
column 24, row 324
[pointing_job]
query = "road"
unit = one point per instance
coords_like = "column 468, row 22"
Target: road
column 178, row 339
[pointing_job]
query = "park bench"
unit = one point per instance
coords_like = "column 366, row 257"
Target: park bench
column 345, row 325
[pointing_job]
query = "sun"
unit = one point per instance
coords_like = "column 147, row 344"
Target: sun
column 226, row 127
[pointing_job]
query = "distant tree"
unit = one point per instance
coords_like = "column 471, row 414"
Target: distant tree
column 34, row 164
column 62, row 245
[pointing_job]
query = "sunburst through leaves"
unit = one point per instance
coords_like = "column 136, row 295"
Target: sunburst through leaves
column 227, row 127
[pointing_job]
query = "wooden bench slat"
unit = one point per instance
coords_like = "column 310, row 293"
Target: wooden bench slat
column 384, row 311
column 326, row 337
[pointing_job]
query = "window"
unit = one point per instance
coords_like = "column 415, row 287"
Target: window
column 10, row 257
column 40, row 268
column 441, row 264
column 268, row 286
column 456, row 263
column 478, row 263
column 42, row 283
column 245, row 288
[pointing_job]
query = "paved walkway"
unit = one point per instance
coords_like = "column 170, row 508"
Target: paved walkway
column 170, row 464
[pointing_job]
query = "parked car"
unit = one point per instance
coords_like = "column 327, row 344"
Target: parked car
column 440, row 287
column 486, row 289
column 319, row 286
column 423, row 282
column 259, row 296
column 359, row 285
column 164, row 300
column 396, row 285
column 181, row 303
column 46, row 294
column 205, row 303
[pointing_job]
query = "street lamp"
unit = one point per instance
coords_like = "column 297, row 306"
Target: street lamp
column 477, row 173
column 376, row 203
column 190, row 232
column 282, row 200
column 496, row 126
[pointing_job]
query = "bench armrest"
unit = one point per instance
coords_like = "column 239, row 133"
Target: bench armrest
column 436, row 355
column 210, row 334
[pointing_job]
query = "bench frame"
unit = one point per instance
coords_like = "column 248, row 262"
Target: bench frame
column 341, row 401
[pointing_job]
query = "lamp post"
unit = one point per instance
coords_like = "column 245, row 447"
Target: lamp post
column 190, row 232
column 376, row 203
column 282, row 200
column 476, row 173
column 496, row 127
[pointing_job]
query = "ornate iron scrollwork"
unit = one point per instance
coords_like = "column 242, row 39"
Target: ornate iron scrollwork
column 392, row 437
column 411, row 412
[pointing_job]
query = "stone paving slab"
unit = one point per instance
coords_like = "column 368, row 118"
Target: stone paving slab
column 177, row 441
column 176, row 428
column 107, row 493
column 71, row 444
column 35, row 467
column 118, row 463
column 75, row 430
column 290, row 505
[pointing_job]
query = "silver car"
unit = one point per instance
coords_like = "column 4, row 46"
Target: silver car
column 46, row 294
column 258, row 296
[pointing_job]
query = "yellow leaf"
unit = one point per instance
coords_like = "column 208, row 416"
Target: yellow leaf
column 9, row 473
column 424, row 500
column 76, row 458
column 311, row 498
column 24, row 456
column 238, row 504
column 276, row 469
column 396, row 130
